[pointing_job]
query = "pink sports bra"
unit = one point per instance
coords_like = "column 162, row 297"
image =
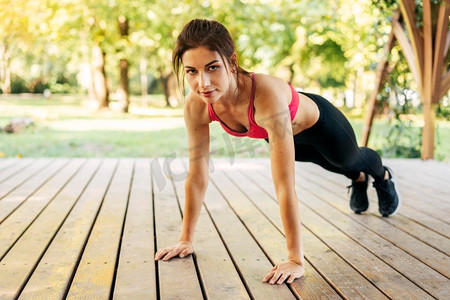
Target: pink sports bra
column 255, row 131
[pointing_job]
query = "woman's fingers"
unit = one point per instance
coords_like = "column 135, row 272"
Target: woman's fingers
column 284, row 272
column 291, row 278
column 276, row 277
column 185, row 252
column 269, row 276
column 161, row 253
column 170, row 252
column 282, row 278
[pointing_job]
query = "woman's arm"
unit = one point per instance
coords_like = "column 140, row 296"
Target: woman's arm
column 198, row 175
column 197, row 125
column 275, row 118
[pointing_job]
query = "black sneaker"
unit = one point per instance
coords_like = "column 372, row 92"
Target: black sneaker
column 388, row 196
column 358, row 199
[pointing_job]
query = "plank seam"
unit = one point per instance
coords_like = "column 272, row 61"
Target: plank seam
column 194, row 256
column 116, row 267
column 400, row 213
column 80, row 256
column 155, row 242
column 331, row 248
column 37, row 216
column 368, row 249
column 34, row 192
column 384, row 220
column 17, row 171
column 26, row 179
column 22, row 287
column 362, row 245
column 241, row 276
column 332, row 285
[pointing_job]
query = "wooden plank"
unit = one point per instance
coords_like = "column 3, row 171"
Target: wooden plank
column 426, row 254
column 19, row 263
column 339, row 273
column 94, row 276
column 54, row 273
column 424, row 227
column 13, row 227
column 422, row 233
column 371, row 266
column 136, row 269
column 18, row 196
column 432, row 177
column 263, row 221
column 168, row 224
column 11, row 166
column 6, row 162
column 17, row 179
column 247, row 255
column 410, row 212
column 408, row 265
column 210, row 252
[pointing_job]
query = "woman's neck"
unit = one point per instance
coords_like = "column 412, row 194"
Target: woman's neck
column 239, row 91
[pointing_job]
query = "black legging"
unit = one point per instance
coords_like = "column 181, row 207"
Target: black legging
column 331, row 143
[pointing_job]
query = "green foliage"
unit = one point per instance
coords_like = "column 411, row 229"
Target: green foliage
column 402, row 139
column 18, row 85
column 320, row 41
column 443, row 111
column 330, row 60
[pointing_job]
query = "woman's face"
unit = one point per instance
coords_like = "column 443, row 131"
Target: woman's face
column 207, row 74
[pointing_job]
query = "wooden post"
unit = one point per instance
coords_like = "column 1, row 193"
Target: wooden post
column 425, row 58
column 429, row 114
column 381, row 73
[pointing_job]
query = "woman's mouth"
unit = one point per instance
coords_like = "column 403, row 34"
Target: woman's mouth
column 207, row 94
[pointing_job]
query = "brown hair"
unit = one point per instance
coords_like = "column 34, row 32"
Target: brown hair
column 204, row 33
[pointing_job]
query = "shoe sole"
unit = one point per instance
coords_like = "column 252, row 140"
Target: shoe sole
column 394, row 179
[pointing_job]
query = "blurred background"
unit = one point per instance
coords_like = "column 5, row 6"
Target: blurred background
column 82, row 78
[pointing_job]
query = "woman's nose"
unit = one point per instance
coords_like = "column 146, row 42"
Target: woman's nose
column 204, row 80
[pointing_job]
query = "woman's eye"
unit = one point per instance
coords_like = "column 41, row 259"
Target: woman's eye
column 190, row 71
column 213, row 68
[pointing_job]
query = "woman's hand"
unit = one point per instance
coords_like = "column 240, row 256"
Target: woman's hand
column 285, row 271
column 181, row 249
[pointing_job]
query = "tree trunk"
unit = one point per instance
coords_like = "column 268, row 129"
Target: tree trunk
column 144, row 80
column 123, row 86
column 5, row 70
column 164, row 80
column 123, row 91
column 99, row 77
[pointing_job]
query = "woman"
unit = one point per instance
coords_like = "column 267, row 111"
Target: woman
column 298, row 127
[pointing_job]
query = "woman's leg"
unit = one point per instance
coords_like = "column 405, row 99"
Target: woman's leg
column 331, row 143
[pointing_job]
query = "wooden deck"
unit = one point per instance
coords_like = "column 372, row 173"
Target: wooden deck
column 88, row 229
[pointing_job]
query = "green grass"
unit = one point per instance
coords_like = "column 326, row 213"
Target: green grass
column 68, row 127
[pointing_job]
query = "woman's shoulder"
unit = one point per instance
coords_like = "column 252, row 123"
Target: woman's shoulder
column 195, row 108
column 269, row 82
column 270, row 88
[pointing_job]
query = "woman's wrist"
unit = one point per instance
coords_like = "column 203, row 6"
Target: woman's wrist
column 297, row 258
